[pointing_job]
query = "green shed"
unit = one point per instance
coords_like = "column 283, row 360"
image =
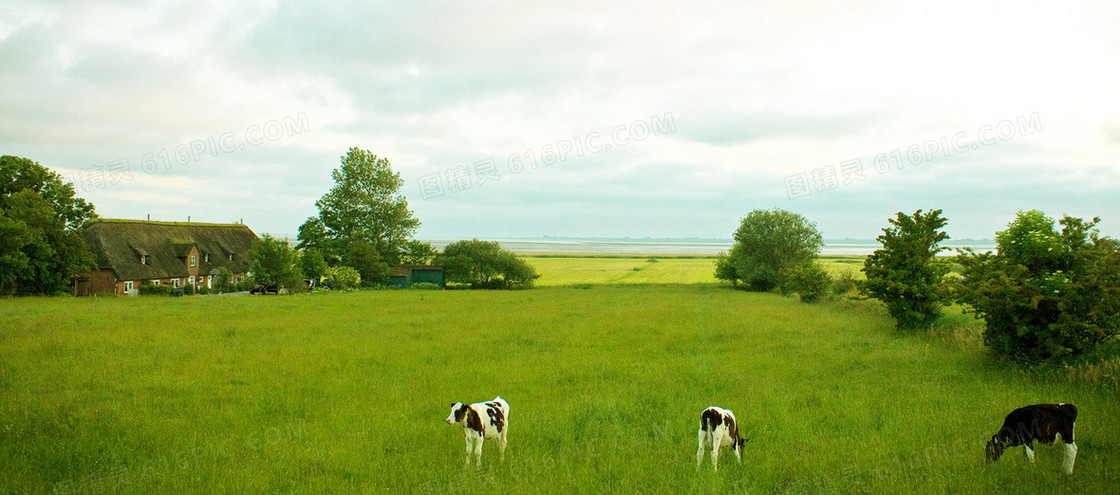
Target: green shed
column 404, row 276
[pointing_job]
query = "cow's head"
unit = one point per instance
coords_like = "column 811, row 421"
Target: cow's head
column 458, row 411
column 741, row 442
column 994, row 449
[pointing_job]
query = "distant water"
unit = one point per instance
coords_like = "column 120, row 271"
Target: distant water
column 581, row 246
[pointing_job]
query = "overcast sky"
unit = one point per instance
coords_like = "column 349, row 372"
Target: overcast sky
column 511, row 119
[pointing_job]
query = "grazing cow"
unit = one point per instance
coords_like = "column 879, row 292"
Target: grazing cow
column 1042, row 423
column 719, row 428
column 482, row 420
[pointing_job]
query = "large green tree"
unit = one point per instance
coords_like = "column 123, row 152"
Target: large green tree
column 485, row 265
column 39, row 217
column 313, row 265
column 364, row 257
column 418, row 253
column 365, row 203
column 905, row 273
column 273, row 262
column 769, row 243
column 1048, row 292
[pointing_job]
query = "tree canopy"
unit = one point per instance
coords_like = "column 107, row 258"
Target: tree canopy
column 769, row 243
column 273, row 262
column 1046, row 293
column 364, row 257
column 39, row 216
column 365, row 203
column 905, row 273
column 485, row 265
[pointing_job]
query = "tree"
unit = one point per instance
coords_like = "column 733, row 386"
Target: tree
column 39, row 218
column 1046, row 293
column 767, row 243
column 313, row 234
column 905, row 273
column 364, row 257
column 223, row 281
column 365, row 203
column 418, row 253
column 313, row 265
column 485, row 265
column 273, row 262
column 725, row 269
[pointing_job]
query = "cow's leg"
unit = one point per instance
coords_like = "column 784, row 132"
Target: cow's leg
column 478, row 451
column 700, row 449
column 715, row 453
column 1071, row 456
column 502, row 446
column 1028, row 452
column 738, row 452
column 470, row 447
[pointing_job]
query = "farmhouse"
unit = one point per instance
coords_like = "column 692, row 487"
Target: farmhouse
column 129, row 253
column 404, row 276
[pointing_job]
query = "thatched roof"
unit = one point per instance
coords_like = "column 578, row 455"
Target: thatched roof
column 119, row 245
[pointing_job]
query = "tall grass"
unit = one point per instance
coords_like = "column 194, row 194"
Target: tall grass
column 347, row 392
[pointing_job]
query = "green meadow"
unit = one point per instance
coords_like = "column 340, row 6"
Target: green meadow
column 347, row 392
column 575, row 270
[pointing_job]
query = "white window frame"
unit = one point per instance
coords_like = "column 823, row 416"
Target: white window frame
column 128, row 286
column 155, row 281
column 143, row 259
column 176, row 282
column 194, row 260
column 191, row 280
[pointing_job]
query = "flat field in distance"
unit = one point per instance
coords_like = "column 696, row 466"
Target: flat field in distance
column 572, row 270
column 347, row 392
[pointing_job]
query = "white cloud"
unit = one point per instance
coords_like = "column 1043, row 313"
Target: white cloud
column 757, row 91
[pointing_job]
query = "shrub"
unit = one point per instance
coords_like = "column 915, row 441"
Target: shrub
column 810, row 281
column 905, row 273
column 203, row 290
column 425, row 286
column 188, row 290
column 343, row 278
column 150, row 289
column 844, row 283
column 1047, row 293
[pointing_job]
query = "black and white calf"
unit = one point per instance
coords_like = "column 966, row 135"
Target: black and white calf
column 718, row 428
column 482, row 420
column 1042, row 423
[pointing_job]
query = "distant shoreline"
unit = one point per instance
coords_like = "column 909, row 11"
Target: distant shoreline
column 679, row 247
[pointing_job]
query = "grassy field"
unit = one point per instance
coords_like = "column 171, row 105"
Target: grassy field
column 570, row 270
column 347, row 392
